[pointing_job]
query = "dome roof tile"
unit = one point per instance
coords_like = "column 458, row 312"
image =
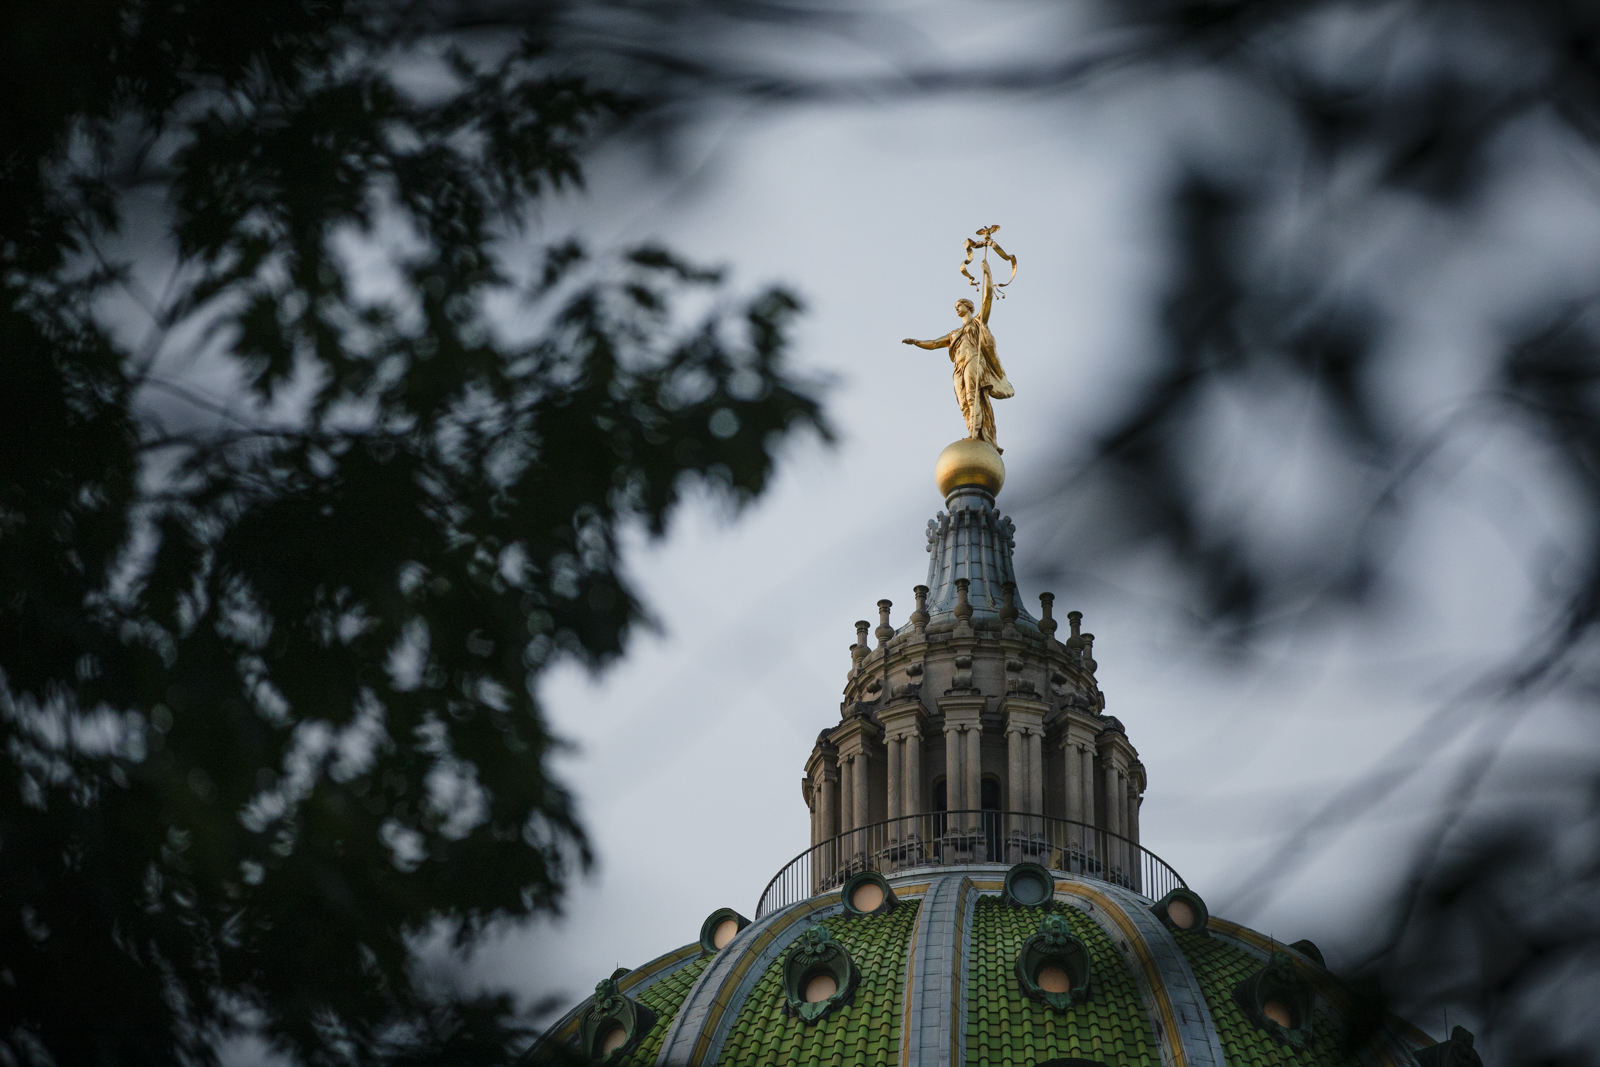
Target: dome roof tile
column 1159, row 997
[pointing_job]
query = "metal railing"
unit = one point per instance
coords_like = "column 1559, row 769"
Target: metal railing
column 957, row 838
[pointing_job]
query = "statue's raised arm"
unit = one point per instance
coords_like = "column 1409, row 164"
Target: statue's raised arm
column 988, row 294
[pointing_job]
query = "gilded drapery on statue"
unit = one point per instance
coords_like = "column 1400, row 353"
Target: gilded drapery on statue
column 978, row 376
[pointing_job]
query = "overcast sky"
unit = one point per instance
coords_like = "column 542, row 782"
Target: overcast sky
column 687, row 756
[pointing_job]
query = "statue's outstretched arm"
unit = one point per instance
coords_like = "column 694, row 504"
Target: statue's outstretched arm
column 938, row 342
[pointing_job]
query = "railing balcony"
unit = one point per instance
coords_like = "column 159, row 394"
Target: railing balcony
column 960, row 838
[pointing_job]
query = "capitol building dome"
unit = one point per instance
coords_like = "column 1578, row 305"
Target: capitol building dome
column 975, row 891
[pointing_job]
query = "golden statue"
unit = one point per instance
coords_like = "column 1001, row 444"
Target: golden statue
column 979, row 377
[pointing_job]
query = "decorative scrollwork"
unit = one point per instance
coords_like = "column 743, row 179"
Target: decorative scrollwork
column 986, row 242
column 817, row 964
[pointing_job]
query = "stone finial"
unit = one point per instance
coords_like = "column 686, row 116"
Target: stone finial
column 858, row 651
column 1008, row 603
column 884, row 630
column 1088, row 653
column 1047, row 622
column 919, row 617
column 1075, row 620
column 963, row 605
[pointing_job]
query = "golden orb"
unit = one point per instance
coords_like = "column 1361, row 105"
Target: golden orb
column 969, row 462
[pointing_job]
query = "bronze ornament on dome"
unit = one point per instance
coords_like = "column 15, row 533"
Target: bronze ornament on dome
column 614, row 1024
column 1052, row 967
column 816, row 961
column 1454, row 1051
column 1278, row 1000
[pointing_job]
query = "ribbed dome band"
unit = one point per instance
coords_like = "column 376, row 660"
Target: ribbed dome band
column 971, row 540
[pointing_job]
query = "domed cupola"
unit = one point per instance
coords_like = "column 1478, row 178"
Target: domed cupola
column 969, row 733
column 975, row 891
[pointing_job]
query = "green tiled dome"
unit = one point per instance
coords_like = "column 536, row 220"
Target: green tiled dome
column 938, row 985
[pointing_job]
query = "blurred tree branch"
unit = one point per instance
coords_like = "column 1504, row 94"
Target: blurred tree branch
column 280, row 570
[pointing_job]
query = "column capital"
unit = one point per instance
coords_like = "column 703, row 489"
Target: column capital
column 900, row 720
column 823, row 759
column 1020, row 713
column 1079, row 730
column 963, row 712
column 854, row 735
column 1113, row 746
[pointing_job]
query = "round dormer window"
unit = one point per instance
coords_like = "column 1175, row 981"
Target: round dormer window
column 820, row 987
column 611, row 1040
column 1029, row 890
column 868, row 893
column 1053, row 978
column 1029, row 885
column 1280, row 1013
column 868, row 897
column 720, row 928
column 1182, row 909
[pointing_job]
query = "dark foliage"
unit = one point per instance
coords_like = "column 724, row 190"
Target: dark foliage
column 281, row 563
column 1347, row 113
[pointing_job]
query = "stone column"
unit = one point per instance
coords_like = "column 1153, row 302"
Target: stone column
column 1072, row 778
column 1016, row 757
column 830, row 803
column 974, row 768
column 1109, row 782
column 1035, row 773
column 1122, row 802
column 1120, row 805
column 911, row 775
column 1136, row 783
column 895, row 749
column 963, row 724
column 1024, row 719
column 1130, row 829
column 955, row 781
column 862, row 791
column 1086, row 780
column 1135, row 859
column 847, row 805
